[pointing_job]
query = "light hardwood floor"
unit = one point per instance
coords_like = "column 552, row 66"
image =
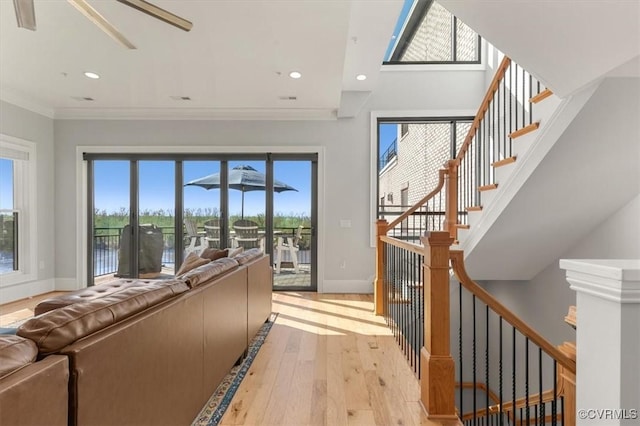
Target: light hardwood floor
column 23, row 308
column 327, row 361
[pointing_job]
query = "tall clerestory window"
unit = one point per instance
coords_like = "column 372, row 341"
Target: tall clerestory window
column 427, row 33
column 17, row 207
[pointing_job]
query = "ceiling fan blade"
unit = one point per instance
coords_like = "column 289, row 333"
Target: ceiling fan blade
column 25, row 14
column 87, row 10
column 159, row 13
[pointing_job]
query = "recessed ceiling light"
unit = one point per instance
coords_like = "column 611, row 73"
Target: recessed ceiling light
column 295, row 74
column 361, row 77
column 91, row 75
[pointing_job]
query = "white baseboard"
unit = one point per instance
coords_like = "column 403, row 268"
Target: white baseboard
column 67, row 284
column 347, row 286
column 26, row 290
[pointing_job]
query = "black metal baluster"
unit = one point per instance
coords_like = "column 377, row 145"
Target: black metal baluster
column 402, row 304
column 520, row 416
column 460, row 345
column 486, row 360
column 515, row 95
column 531, row 104
column 524, row 110
column 554, row 420
column 420, row 312
column 473, row 357
column 501, row 413
column 526, row 378
column 494, row 144
column 540, row 386
column 505, row 133
column 513, row 372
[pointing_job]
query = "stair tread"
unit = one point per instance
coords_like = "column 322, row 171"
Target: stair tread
column 488, row 187
column 474, row 208
column 504, row 161
column 540, row 96
column 526, row 129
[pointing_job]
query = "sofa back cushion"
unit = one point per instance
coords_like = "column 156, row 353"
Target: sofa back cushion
column 56, row 329
column 192, row 261
column 214, row 254
column 15, row 352
column 86, row 294
column 248, row 255
column 201, row 274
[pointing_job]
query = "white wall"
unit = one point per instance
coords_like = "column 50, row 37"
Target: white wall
column 32, row 127
column 544, row 301
column 347, row 166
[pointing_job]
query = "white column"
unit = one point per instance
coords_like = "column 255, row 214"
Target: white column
column 607, row 340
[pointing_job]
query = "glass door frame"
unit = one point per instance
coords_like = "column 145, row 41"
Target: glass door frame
column 313, row 159
column 179, row 159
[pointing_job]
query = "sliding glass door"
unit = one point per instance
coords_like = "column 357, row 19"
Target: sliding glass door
column 156, row 219
column 294, row 223
column 147, row 213
column 110, row 217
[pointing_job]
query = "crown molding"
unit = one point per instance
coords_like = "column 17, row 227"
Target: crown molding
column 194, row 114
column 10, row 97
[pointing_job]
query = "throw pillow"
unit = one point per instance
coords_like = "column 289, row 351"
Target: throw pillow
column 233, row 252
column 190, row 262
column 213, row 254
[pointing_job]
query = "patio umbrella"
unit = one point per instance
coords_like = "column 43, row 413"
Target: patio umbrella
column 242, row 178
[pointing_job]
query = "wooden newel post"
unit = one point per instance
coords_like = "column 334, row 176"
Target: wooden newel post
column 451, row 201
column 381, row 230
column 437, row 368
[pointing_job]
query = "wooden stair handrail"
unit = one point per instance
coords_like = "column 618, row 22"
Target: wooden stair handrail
column 406, row 245
column 507, row 407
column 547, row 396
column 484, row 106
column 457, row 264
column 420, row 203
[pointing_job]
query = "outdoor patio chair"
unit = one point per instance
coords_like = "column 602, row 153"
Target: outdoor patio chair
column 196, row 239
column 212, row 233
column 247, row 234
column 288, row 244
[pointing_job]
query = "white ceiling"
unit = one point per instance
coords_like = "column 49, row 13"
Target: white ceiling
column 566, row 44
column 234, row 63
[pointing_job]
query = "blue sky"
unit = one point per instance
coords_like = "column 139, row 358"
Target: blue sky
column 406, row 8
column 388, row 133
column 6, row 184
column 157, row 187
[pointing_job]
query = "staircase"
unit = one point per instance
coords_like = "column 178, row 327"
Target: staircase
column 534, row 168
column 574, row 171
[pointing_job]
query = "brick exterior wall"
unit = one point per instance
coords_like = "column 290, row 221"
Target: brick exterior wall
column 422, row 152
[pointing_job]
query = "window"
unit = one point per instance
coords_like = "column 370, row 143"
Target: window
column 17, row 202
column 404, row 197
column 427, row 33
column 404, row 129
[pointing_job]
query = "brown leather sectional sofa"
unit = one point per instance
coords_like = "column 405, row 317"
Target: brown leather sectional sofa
column 147, row 353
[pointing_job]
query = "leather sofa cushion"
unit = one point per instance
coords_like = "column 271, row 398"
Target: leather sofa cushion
column 248, row 255
column 214, row 254
column 85, row 295
column 56, row 329
column 192, row 261
column 15, row 352
column 204, row 273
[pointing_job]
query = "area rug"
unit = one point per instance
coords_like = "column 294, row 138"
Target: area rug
column 215, row 408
